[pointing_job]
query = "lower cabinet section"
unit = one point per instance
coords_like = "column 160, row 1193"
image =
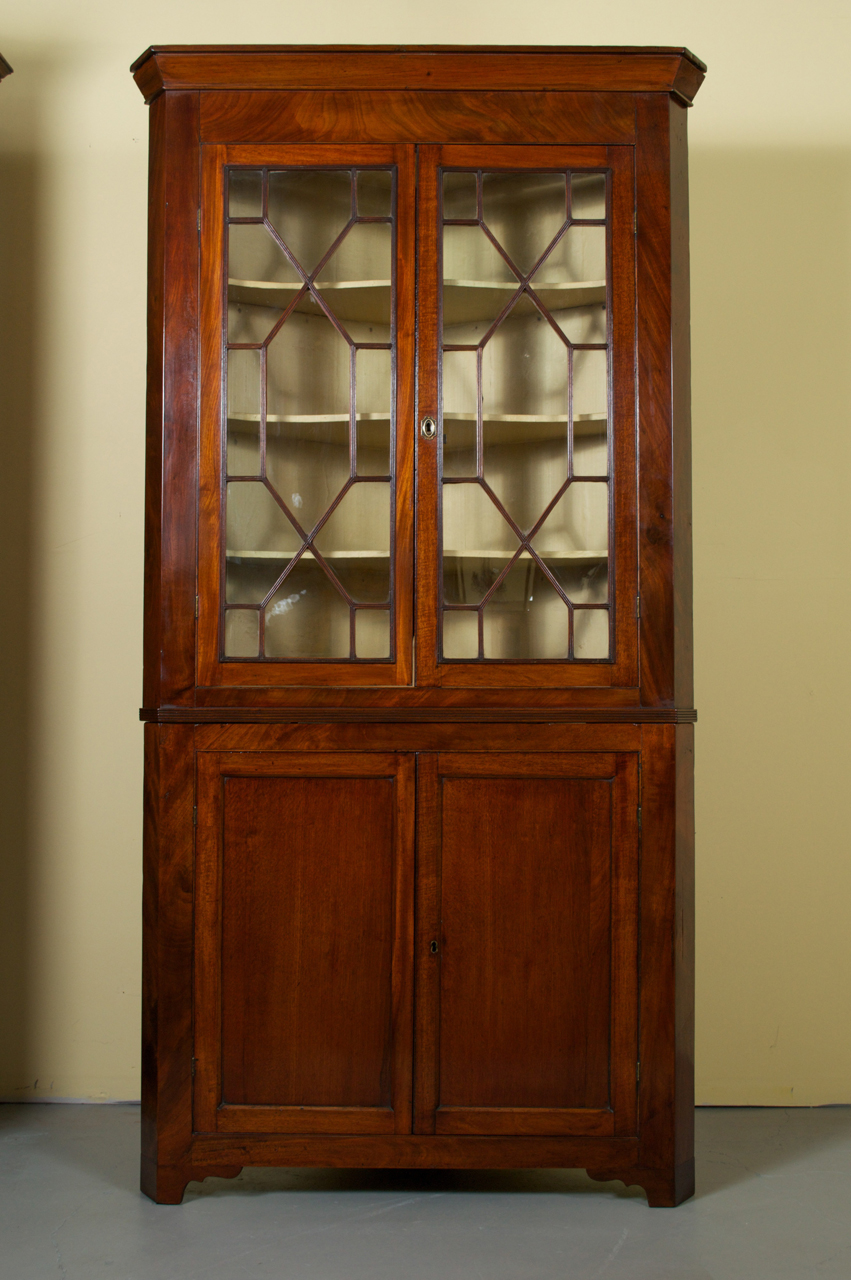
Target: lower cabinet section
column 405, row 956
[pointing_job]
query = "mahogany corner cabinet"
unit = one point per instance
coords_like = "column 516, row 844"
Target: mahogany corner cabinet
column 418, row 669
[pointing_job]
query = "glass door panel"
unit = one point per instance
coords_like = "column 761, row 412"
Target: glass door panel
column 526, row 495
column 308, row 555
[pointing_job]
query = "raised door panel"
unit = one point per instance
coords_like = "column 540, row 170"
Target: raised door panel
column 527, row 489
column 304, row 897
column 527, row 952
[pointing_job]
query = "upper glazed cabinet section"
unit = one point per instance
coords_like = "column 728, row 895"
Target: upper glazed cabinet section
column 420, row 399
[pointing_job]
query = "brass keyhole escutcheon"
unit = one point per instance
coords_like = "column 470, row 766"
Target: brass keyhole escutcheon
column 433, row 948
column 428, row 427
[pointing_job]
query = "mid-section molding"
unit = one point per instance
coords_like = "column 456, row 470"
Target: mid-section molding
column 417, row 715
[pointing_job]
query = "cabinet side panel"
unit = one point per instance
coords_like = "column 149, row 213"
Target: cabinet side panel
column 655, row 495
column 684, row 946
column 167, row 950
column 681, row 353
column 666, row 1108
column 172, row 402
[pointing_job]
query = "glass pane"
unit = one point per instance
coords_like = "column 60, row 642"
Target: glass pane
column 245, row 193
column 591, row 633
column 571, row 283
column 459, row 446
column 460, row 634
column 243, row 455
column 374, row 193
column 477, row 284
column 260, row 542
column 543, row 411
column 372, row 633
column 588, row 195
column 355, row 281
column 307, row 463
column 309, row 208
column 525, row 369
column 261, row 282
column 308, row 370
column 244, row 373
column 307, row 617
column 459, row 195
column 524, row 211
column 573, row 542
column 242, row 633
column 525, row 464
column 590, row 388
column 355, row 541
column 526, row 618
column 374, row 391
column 302, row 452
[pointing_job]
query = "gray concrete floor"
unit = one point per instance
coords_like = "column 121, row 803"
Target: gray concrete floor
column 773, row 1200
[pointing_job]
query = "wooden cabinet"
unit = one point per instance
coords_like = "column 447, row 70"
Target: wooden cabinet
column 418, row 639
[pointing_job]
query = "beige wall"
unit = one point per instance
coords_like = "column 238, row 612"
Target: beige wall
column 771, row 202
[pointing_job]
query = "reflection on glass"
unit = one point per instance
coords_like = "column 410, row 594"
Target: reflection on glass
column 526, row 410
column 307, row 463
column 307, row 617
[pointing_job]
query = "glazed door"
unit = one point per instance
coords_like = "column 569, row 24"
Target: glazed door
column 306, row 512
column 526, row 447
column 527, row 914
column 304, row 943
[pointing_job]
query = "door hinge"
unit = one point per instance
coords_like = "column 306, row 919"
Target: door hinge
column 637, row 1071
column 193, row 1068
column 195, row 815
column 199, row 222
column 637, row 607
column 196, row 606
column 635, row 222
column 639, row 817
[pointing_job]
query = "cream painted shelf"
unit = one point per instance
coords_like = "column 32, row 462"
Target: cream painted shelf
column 373, row 428
column 503, row 427
column 468, row 300
column 288, row 555
column 367, row 300
column 556, row 557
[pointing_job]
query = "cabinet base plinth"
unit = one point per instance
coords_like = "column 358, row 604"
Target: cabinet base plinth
column 165, row 1184
column 664, row 1190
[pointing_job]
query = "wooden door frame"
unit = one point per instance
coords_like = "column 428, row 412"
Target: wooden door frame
column 210, row 1113
column 620, row 1119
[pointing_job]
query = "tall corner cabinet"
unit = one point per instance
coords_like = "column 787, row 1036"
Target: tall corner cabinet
column 418, row 674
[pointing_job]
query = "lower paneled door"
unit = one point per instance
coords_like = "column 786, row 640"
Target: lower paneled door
column 431, row 944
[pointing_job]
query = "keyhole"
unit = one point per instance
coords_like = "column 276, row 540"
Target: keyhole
column 433, row 948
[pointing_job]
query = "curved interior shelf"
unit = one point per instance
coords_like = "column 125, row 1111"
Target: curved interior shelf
column 468, row 300
column 367, row 300
column 554, row 557
column 522, row 428
column 286, row 556
column 373, row 429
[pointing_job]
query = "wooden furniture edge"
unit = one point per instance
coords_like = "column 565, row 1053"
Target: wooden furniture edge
column 421, row 715
column 5, row 68
column 660, row 68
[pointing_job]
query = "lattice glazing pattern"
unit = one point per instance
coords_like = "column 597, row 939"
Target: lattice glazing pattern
column 310, row 338
column 526, row 458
